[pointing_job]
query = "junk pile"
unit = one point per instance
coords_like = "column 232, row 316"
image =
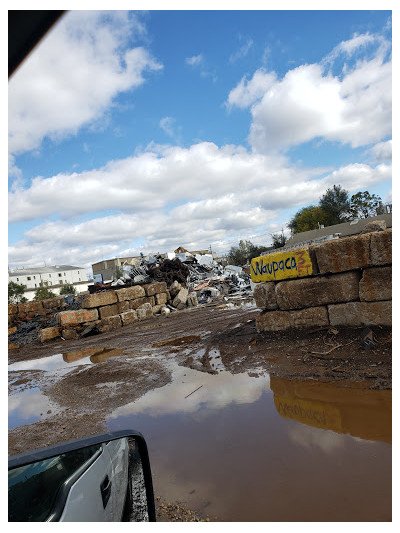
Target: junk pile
column 198, row 273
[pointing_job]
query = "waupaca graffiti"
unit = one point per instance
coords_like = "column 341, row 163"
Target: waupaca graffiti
column 281, row 265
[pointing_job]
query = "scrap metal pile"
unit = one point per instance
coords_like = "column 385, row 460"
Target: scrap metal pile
column 200, row 273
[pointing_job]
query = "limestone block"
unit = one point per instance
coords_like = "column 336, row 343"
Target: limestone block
column 30, row 307
column 122, row 307
column 99, row 299
column 311, row 317
column 128, row 317
column 156, row 309
column 315, row 291
column 283, row 320
column 53, row 303
column 113, row 322
column 154, row 288
column 340, row 255
column 130, row 293
column 174, row 288
column 265, row 296
column 273, row 321
column 135, row 304
column 108, row 310
column 376, row 284
column 192, row 299
column 161, row 298
column 381, row 247
column 276, row 266
column 356, row 314
column 49, row 333
column 69, row 334
column 73, row 318
column 180, row 299
column 12, row 309
column 144, row 311
column 377, row 225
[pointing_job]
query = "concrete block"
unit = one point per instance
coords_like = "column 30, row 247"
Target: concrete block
column 113, row 321
column 128, row 317
column 108, row 310
column 30, row 307
column 130, row 293
column 47, row 334
column 154, row 288
column 357, row 314
column 340, row 255
column 174, row 288
column 73, row 318
column 381, row 247
column 180, row 299
column 144, row 311
column 53, row 303
column 273, row 321
column 69, row 334
column 161, row 298
column 135, row 304
column 192, row 299
column 283, row 320
column 316, row 291
column 376, row 284
column 294, row 263
column 265, row 296
column 376, row 225
column 312, row 317
column 99, row 299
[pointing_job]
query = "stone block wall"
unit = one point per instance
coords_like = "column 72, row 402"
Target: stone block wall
column 350, row 285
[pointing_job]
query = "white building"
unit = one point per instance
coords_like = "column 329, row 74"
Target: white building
column 52, row 276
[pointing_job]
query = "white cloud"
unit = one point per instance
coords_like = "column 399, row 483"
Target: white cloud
column 309, row 103
column 382, row 151
column 53, row 94
column 195, row 60
column 242, row 52
column 248, row 92
column 167, row 125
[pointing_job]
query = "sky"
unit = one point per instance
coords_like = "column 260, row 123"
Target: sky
column 143, row 131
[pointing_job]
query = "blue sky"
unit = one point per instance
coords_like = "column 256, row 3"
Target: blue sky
column 144, row 131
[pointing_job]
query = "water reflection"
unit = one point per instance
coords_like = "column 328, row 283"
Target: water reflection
column 67, row 360
column 28, row 407
column 363, row 413
column 215, row 391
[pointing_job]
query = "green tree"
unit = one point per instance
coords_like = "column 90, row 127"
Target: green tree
column 42, row 292
column 336, row 204
column 16, row 293
column 279, row 240
column 308, row 218
column 364, row 205
column 244, row 253
column 68, row 288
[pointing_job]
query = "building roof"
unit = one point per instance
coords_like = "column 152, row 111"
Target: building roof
column 344, row 230
column 43, row 270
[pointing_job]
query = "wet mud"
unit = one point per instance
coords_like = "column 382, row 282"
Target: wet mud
column 316, row 398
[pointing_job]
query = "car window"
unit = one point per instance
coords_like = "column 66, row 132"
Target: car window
column 33, row 489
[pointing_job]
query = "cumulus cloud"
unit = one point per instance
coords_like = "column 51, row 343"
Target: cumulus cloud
column 382, row 151
column 53, row 94
column 310, row 103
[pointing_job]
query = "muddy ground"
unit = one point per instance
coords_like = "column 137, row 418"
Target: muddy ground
column 87, row 394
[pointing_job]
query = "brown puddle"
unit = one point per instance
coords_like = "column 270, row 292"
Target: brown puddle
column 240, row 450
column 363, row 413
